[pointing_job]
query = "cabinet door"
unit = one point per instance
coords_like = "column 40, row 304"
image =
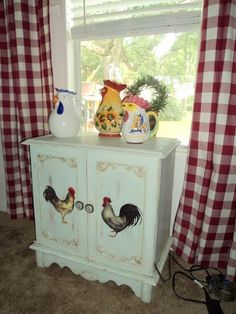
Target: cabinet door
column 56, row 171
column 125, row 179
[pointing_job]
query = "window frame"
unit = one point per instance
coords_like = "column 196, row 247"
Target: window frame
column 71, row 51
column 186, row 21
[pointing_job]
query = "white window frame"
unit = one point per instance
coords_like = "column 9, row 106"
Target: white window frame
column 148, row 25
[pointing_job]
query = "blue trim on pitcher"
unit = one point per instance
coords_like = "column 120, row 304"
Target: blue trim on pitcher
column 65, row 91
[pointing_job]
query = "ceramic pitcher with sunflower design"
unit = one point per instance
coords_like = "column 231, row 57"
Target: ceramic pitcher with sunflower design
column 109, row 115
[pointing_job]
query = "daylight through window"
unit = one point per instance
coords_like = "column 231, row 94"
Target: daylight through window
column 163, row 45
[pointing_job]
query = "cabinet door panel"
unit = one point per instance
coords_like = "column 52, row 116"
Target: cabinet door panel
column 59, row 226
column 125, row 181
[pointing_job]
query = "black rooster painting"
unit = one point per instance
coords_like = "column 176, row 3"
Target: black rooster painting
column 129, row 215
column 65, row 206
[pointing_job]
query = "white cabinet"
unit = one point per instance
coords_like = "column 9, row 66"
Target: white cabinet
column 132, row 234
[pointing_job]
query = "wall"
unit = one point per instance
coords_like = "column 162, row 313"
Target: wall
column 2, row 182
column 180, row 163
column 62, row 46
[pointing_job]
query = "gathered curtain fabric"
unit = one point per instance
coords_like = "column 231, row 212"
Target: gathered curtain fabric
column 205, row 229
column 26, row 91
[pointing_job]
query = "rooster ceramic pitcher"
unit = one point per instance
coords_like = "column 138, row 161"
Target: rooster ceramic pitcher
column 108, row 118
column 64, row 120
column 135, row 126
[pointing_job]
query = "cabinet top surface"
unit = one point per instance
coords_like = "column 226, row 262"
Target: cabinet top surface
column 155, row 146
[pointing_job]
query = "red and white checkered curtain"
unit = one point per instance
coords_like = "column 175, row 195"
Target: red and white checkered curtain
column 26, row 92
column 205, row 225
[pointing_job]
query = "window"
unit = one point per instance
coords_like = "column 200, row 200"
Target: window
column 125, row 40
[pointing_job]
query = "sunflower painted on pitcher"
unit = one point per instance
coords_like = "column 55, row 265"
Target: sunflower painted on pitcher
column 109, row 116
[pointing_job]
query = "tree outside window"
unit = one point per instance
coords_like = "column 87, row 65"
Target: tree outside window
column 171, row 58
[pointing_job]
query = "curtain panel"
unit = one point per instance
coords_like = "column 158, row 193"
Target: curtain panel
column 26, row 91
column 205, row 229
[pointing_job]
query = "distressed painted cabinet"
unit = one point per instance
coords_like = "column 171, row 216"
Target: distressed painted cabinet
column 99, row 169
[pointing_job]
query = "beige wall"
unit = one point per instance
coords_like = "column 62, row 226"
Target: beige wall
column 2, row 182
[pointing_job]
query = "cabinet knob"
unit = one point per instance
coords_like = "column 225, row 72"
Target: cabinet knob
column 89, row 208
column 79, row 205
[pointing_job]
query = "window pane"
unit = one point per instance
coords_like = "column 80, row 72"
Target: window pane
column 172, row 58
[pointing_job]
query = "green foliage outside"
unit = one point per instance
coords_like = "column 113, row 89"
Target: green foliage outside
column 127, row 59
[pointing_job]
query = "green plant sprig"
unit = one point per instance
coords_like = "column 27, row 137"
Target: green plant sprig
column 160, row 91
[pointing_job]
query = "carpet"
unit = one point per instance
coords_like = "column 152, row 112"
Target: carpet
column 26, row 288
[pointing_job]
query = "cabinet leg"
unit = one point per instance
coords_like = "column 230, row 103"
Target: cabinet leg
column 146, row 292
column 41, row 259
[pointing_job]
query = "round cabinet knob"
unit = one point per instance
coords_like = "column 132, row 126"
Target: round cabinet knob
column 89, row 208
column 79, row 205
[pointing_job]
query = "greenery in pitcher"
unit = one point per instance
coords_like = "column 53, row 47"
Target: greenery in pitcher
column 158, row 90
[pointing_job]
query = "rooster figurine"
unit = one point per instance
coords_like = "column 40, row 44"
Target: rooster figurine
column 129, row 216
column 65, row 206
column 109, row 115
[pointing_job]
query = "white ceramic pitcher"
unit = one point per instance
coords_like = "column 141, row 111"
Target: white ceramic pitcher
column 64, row 120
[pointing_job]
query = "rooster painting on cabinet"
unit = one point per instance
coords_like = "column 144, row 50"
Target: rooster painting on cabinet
column 129, row 216
column 65, row 206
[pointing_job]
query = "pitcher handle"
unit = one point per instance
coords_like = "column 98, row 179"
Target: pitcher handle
column 154, row 123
